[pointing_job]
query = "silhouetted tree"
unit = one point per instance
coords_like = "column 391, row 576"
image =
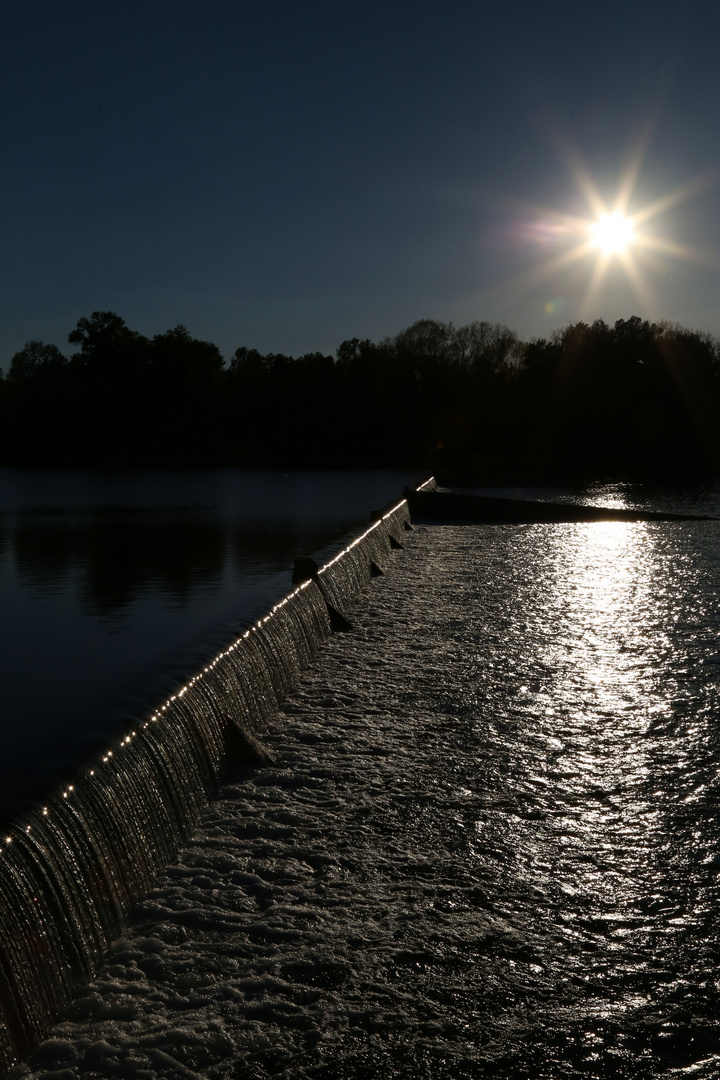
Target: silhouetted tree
column 183, row 399
column 32, row 419
column 250, row 366
column 108, row 347
column 176, row 358
column 35, row 358
column 634, row 398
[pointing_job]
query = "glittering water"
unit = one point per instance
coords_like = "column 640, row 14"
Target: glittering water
column 491, row 847
column 600, row 760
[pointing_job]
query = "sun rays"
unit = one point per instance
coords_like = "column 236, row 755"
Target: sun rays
column 616, row 236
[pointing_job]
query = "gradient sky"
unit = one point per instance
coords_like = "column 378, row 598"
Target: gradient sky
column 286, row 175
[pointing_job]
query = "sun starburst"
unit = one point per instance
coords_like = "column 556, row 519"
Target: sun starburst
column 614, row 236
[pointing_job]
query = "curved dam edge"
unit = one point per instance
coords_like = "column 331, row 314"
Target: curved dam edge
column 71, row 870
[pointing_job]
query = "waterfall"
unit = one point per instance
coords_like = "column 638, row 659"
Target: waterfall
column 70, row 870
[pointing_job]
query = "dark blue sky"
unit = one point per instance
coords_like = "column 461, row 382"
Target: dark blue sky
column 285, row 175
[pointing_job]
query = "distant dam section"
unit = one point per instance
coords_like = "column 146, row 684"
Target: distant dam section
column 432, row 503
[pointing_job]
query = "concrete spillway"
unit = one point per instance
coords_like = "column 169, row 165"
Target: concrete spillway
column 71, row 870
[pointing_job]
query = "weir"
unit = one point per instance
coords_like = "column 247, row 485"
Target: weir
column 70, row 870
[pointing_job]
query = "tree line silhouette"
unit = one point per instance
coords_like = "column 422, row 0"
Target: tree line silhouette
column 473, row 402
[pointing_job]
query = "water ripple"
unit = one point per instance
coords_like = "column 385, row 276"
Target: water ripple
column 502, row 853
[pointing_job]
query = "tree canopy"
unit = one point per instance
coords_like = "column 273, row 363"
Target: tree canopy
column 474, row 401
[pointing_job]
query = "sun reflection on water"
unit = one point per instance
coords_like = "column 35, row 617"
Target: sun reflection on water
column 595, row 703
column 602, row 619
column 607, row 570
column 597, row 700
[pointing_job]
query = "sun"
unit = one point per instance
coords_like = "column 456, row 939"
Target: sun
column 613, row 237
column 612, row 233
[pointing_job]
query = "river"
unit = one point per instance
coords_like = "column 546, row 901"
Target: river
column 489, row 847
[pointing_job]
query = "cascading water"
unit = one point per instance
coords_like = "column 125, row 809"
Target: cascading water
column 70, row 870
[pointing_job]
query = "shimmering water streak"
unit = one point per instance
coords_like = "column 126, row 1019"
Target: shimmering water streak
column 70, row 871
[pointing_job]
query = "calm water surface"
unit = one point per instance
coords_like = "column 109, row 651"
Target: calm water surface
column 114, row 586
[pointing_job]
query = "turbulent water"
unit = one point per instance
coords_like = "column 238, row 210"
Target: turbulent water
column 490, row 846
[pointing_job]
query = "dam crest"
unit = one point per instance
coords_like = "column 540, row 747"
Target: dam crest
column 71, row 870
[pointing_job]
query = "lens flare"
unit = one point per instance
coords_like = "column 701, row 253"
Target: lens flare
column 613, row 237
